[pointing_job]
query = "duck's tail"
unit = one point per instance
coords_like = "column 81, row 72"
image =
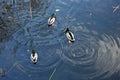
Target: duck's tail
column 49, row 25
column 71, row 41
column 34, row 62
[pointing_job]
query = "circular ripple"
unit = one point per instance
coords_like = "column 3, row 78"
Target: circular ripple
column 107, row 62
column 41, row 34
column 44, row 39
column 82, row 52
column 48, row 59
column 96, row 57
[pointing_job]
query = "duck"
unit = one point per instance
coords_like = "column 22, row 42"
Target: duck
column 69, row 35
column 51, row 20
column 34, row 57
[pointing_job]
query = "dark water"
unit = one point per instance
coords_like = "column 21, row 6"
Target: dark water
column 95, row 55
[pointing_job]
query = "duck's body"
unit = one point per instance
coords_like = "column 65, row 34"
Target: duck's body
column 34, row 57
column 51, row 20
column 69, row 35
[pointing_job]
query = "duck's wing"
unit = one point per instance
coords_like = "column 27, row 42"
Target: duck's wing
column 31, row 56
column 68, row 36
column 36, row 55
column 72, row 36
column 51, row 20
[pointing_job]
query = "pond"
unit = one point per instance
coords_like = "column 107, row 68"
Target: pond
column 93, row 56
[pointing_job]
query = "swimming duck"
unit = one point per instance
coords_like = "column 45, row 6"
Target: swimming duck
column 69, row 35
column 51, row 20
column 34, row 57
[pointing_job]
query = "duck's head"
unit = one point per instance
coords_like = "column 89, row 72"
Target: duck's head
column 33, row 51
column 67, row 30
column 53, row 15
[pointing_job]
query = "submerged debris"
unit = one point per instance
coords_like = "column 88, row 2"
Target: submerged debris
column 116, row 8
column 52, row 74
column 10, row 17
column 3, row 30
column 7, row 7
column 90, row 14
column 57, row 9
column 2, row 72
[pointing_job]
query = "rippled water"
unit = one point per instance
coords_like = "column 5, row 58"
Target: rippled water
column 93, row 56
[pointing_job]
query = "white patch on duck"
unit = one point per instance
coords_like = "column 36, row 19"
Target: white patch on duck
column 69, row 35
column 34, row 57
column 51, row 20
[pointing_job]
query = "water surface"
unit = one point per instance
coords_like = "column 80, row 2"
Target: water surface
column 93, row 56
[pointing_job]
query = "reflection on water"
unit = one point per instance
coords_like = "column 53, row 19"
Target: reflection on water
column 93, row 56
